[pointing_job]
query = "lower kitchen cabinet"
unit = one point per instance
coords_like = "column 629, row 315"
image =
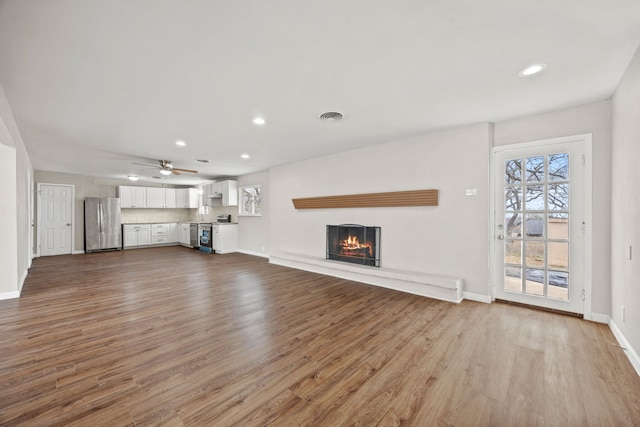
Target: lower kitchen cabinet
column 224, row 238
column 136, row 235
column 184, row 234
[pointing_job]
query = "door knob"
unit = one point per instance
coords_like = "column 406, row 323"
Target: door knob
column 68, row 224
column 500, row 237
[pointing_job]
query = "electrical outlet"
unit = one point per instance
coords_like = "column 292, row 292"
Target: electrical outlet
column 624, row 313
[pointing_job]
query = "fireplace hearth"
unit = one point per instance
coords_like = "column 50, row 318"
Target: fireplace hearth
column 357, row 244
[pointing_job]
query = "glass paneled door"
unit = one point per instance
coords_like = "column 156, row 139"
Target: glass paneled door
column 539, row 225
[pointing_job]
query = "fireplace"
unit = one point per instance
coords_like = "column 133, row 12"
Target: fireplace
column 354, row 243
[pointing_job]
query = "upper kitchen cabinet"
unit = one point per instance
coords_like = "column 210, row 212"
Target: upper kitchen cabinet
column 161, row 197
column 220, row 193
column 132, row 197
column 187, row 198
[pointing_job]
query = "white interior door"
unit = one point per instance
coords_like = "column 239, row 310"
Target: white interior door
column 56, row 219
column 539, row 224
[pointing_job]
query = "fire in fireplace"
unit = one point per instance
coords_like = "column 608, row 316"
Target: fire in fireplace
column 354, row 243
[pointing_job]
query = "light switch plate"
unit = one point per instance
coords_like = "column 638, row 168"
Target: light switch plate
column 472, row 192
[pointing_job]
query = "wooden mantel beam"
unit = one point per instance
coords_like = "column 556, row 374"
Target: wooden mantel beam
column 370, row 200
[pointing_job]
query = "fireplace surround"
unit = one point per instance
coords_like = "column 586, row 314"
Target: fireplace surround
column 354, row 243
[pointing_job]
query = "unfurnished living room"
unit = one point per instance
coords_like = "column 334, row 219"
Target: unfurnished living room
column 319, row 214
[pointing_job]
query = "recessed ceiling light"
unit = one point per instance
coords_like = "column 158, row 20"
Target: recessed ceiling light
column 181, row 143
column 259, row 121
column 165, row 172
column 133, row 177
column 532, row 69
column 245, row 156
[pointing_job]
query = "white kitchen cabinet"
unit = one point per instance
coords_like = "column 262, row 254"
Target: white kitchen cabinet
column 187, row 198
column 184, row 234
column 220, row 193
column 136, row 235
column 173, row 232
column 224, row 238
column 132, row 197
column 160, row 234
column 229, row 193
column 161, row 197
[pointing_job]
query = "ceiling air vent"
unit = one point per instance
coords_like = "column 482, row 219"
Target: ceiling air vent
column 330, row 116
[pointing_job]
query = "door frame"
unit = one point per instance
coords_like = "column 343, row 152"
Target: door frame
column 586, row 139
column 73, row 215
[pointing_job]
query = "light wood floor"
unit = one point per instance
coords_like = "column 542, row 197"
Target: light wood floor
column 170, row 336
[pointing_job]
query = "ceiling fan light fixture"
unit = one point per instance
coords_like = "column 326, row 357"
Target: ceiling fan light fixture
column 165, row 171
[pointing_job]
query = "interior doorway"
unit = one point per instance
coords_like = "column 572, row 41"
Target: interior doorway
column 55, row 219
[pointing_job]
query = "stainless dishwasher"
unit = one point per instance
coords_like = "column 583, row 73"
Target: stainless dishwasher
column 193, row 235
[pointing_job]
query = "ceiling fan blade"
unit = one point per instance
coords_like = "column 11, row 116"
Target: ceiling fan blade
column 145, row 164
column 185, row 170
column 175, row 172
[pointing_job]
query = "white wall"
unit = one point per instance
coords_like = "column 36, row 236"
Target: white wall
column 625, row 203
column 15, row 255
column 450, row 239
column 594, row 118
column 253, row 231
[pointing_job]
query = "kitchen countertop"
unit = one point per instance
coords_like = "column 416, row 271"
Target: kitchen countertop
column 179, row 222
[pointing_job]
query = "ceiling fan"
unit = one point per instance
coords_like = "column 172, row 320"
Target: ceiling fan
column 166, row 167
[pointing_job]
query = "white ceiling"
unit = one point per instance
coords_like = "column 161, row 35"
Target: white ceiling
column 98, row 84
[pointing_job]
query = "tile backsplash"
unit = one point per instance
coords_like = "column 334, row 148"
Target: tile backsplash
column 142, row 216
column 214, row 211
column 147, row 216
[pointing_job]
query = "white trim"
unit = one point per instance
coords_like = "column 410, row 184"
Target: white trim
column 260, row 254
column 77, row 253
column 626, row 346
column 9, row 295
column 598, row 318
column 472, row 296
column 21, row 281
column 73, row 215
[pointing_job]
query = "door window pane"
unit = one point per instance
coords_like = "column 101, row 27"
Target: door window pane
column 513, row 279
column 535, row 169
column 513, row 252
column 534, row 283
column 513, row 198
column 558, row 256
column 534, row 251
column 513, row 223
column 559, row 285
column 558, row 226
column 558, row 197
column 559, row 167
column 534, row 198
column 534, row 225
column 513, row 171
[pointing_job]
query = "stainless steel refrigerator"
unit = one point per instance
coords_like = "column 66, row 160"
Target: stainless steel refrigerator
column 102, row 230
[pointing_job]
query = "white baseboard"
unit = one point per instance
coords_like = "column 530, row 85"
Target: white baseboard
column 77, row 252
column 9, row 295
column 260, row 254
column 472, row 296
column 626, row 345
column 598, row 318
